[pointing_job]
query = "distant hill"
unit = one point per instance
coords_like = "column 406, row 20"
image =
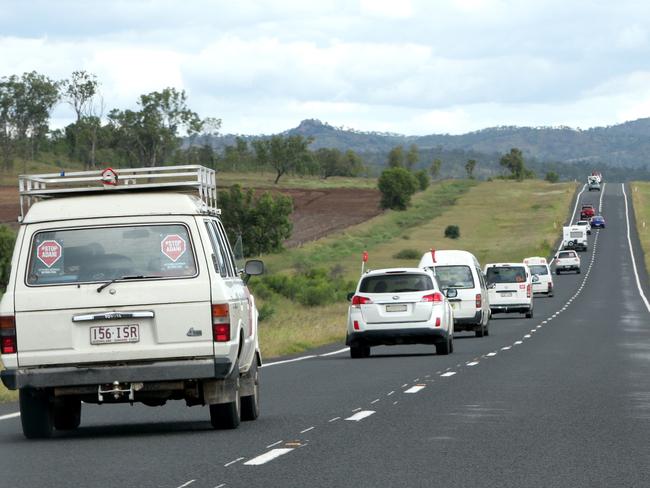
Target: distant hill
column 618, row 147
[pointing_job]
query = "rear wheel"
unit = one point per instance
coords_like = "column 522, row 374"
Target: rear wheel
column 444, row 348
column 67, row 413
column 480, row 332
column 557, row 272
column 529, row 314
column 577, row 271
column 226, row 415
column 36, row 413
column 250, row 405
column 358, row 352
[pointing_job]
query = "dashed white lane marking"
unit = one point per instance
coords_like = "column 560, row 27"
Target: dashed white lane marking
column 629, row 242
column 490, row 354
column 307, row 429
column 448, row 373
column 405, row 385
column 473, row 363
column 10, row 416
column 187, row 483
column 233, row 462
column 266, row 365
column 220, row 486
column 274, row 444
column 334, row 419
column 390, row 393
column 356, row 409
column 527, row 336
column 414, row 389
column 505, row 348
column 374, row 401
column 268, row 456
column 334, row 353
column 516, row 343
column 361, row 415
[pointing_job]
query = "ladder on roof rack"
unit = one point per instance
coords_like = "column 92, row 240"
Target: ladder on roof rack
column 197, row 178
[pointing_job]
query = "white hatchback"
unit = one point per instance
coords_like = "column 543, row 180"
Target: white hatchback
column 399, row 306
column 542, row 277
column 510, row 287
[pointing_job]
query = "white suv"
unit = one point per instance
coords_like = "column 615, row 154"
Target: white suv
column 118, row 295
column 510, row 287
column 399, row 306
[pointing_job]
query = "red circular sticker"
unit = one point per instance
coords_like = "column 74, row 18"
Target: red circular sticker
column 49, row 252
column 173, row 246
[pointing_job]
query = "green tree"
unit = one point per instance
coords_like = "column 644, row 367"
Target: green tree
column 283, row 154
column 332, row 162
column 152, row 134
column 552, row 177
column 422, row 179
column 263, row 224
column 412, row 157
column 7, row 240
column 434, row 169
column 469, row 168
column 396, row 157
column 80, row 92
column 397, row 185
column 514, row 162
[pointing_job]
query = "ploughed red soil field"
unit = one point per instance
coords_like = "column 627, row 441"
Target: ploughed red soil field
column 316, row 212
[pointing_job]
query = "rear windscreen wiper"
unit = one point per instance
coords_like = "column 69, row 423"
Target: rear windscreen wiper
column 134, row 277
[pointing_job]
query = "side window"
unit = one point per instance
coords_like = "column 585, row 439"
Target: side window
column 224, row 250
column 230, row 257
column 217, row 257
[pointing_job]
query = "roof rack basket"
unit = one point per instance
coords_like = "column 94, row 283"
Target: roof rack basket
column 193, row 178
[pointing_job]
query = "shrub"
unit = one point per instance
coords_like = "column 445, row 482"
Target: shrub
column 452, row 232
column 266, row 311
column 397, row 185
column 423, row 179
column 552, row 177
column 407, row 254
column 314, row 287
column 7, row 240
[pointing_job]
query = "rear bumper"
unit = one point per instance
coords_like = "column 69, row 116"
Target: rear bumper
column 468, row 323
column 46, row 377
column 391, row 337
column 511, row 308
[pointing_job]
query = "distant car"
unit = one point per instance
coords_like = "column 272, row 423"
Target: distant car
column 567, row 261
column 399, row 306
column 510, row 288
column 586, row 224
column 598, row 222
column 542, row 278
column 587, row 211
column 593, row 185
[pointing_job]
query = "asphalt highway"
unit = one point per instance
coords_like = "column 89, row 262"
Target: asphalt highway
column 559, row 400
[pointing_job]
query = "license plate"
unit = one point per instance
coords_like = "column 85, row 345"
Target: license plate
column 112, row 334
column 506, row 294
column 396, row 308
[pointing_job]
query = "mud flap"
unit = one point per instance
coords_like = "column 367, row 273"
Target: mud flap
column 224, row 390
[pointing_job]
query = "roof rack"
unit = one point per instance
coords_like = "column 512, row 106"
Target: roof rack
column 179, row 178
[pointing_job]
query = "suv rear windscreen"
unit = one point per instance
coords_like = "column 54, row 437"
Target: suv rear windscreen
column 454, row 276
column 566, row 254
column 107, row 253
column 538, row 269
column 396, row 283
column 506, row 274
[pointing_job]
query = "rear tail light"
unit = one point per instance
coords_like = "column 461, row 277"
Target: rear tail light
column 356, row 325
column 220, row 322
column 434, row 297
column 528, row 290
column 358, row 300
column 479, row 300
column 8, row 335
column 437, row 321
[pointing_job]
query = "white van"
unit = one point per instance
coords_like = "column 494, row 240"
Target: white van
column 511, row 288
column 124, row 289
column 460, row 270
column 574, row 237
column 542, row 277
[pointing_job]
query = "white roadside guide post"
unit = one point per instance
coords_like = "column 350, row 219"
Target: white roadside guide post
column 364, row 260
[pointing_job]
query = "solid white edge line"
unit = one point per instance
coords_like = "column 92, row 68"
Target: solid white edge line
column 268, row 456
column 333, row 353
column 629, row 242
column 10, row 416
column 600, row 203
column 302, row 358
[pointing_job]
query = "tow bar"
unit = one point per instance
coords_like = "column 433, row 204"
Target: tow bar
column 118, row 390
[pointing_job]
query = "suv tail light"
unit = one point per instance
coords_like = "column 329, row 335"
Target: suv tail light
column 479, row 300
column 528, row 290
column 434, row 297
column 358, row 300
column 8, row 335
column 220, row 322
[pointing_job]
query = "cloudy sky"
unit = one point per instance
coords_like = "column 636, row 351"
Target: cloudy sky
column 407, row 66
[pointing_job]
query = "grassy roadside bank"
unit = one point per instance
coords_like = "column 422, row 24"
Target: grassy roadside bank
column 499, row 221
column 641, row 202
